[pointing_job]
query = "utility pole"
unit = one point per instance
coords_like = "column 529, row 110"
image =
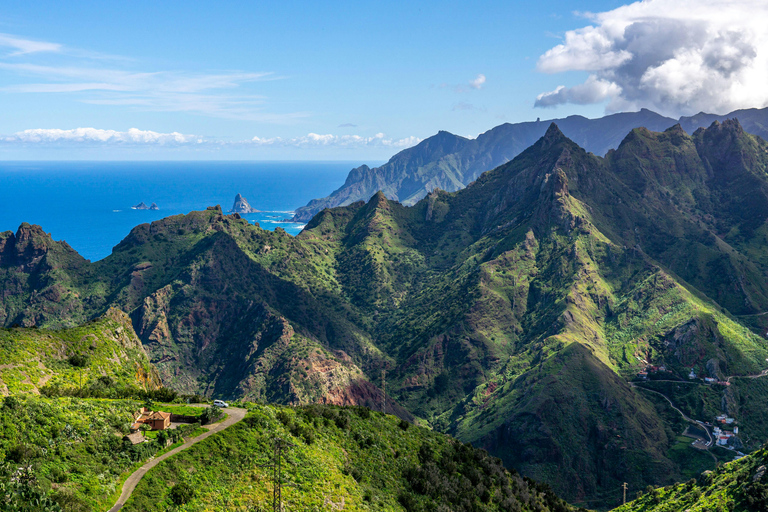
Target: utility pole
column 625, row 492
column 278, row 445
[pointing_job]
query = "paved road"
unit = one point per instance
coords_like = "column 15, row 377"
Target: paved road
column 234, row 415
column 686, row 418
column 756, row 376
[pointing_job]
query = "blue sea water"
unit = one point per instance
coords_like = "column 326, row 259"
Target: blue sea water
column 88, row 204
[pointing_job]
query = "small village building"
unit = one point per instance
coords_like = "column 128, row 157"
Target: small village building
column 709, row 380
column 157, row 420
column 692, row 375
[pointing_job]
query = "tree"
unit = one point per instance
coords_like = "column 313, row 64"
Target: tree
column 182, row 493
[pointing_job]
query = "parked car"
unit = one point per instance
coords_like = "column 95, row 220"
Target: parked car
column 220, row 403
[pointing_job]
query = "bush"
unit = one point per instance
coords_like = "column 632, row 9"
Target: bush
column 211, row 415
column 182, row 493
column 79, row 360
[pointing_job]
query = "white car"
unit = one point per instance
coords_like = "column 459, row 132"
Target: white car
column 220, row 403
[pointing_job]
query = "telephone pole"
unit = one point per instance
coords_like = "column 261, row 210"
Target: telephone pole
column 625, row 492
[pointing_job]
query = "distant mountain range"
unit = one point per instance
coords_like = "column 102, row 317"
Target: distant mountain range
column 450, row 162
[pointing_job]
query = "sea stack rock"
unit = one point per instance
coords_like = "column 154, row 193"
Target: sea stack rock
column 242, row 206
column 153, row 206
column 140, row 206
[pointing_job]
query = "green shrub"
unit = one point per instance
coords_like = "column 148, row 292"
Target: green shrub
column 182, row 493
column 79, row 360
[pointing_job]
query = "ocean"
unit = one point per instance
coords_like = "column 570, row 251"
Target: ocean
column 88, row 204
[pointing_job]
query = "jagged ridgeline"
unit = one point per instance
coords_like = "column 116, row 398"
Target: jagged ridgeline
column 451, row 162
column 511, row 314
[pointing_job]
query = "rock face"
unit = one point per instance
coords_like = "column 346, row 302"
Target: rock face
column 143, row 206
column 241, row 205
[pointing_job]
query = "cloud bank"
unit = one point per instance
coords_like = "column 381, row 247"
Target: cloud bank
column 135, row 137
column 673, row 56
column 349, row 141
column 97, row 136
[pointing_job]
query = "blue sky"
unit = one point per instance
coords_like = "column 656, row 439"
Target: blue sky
column 328, row 80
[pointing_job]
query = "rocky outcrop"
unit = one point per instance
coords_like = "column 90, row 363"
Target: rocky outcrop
column 242, row 205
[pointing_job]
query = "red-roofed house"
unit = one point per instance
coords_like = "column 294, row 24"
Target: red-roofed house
column 157, row 420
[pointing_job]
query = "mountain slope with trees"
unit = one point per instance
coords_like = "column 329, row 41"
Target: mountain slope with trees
column 512, row 313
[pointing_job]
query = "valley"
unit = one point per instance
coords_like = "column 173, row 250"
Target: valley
column 517, row 314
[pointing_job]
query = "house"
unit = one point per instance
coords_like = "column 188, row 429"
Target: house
column 692, row 375
column 157, row 420
column 709, row 380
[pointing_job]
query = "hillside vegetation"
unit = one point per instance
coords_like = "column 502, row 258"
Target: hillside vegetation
column 337, row 459
column 512, row 314
column 65, row 453
column 740, row 486
column 104, row 354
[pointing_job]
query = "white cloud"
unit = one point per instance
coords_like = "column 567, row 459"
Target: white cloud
column 673, row 56
column 81, row 73
column 136, row 137
column 478, row 81
column 348, row 141
column 594, row 90
column 97, row 136
column 23, row 46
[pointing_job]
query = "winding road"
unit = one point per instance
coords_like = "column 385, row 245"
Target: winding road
column 685, row 417
column 234, row 415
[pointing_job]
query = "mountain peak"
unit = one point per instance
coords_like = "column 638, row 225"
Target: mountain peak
column 553, row 132
column 728, row 126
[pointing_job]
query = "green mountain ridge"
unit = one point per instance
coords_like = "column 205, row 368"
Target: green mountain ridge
column 414, row 172
column 511, row 313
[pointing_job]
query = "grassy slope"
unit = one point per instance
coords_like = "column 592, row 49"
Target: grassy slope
column 738, row 486
column 110, row 349
column 72, row 446
column 367, row 461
